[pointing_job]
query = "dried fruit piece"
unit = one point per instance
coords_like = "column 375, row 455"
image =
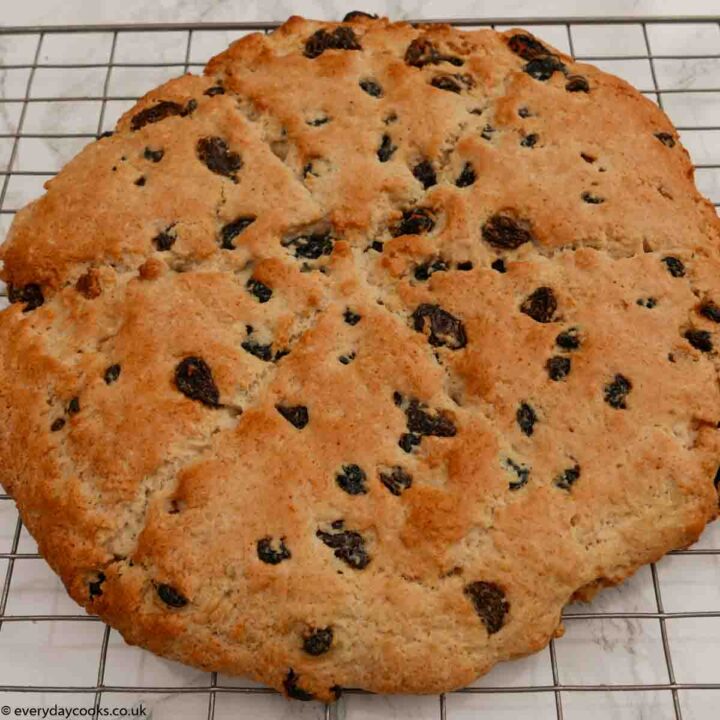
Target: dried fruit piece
column 30, row 294
column 232, row 229
column 445, row 330
column 170, row 596
column 467, row 176
column 292, row 689
column 526, row 418
column 616, row 392
column 506, row 232
column 349, row 546
column 526, row 46
column 540, row 305
column 674, row 266
column 341, row 38
column 592, row 199
column 710, row 310
column 311, row 246
column 498, row 265
column 666, row 139
column 95, row 586
column 352, row 480
column 112, row 374
column 567, row 477
column 258, row 350
column 397, row 481
column 372, row 88
column 215, row 153
column 577, row 83
column 489, row 602
column 260, row 290
column 422, row 52
column 57, row 424
column 568, row 339
column 699, row 339
column 424, row 271
column 386, row 149
column 358, row 15
column 522, row 474
column 454, row 82
column 193, row 378
column 160, row 111
column 215, row 90
column 73, row 407
column 408, row 441
column 530, row 140
column 296, row 415
column 425, row 173
column 154, row 155
column 165, row 239
column 350, row 317
column 317, row 641
column 415, row 221
column 420, row 422
column 269, row 554
column 558, row 367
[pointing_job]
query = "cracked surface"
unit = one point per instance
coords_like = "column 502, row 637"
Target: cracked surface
column 480, row 331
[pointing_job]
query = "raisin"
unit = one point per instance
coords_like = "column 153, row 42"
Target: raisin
column 215, row 153
column 349, row 546
column 153, row 155
column 588, row 158
column 453, row 83
column 106, row 134
column 408, row 441
column 420, row 422
column 526, row 46
column 193, row 378
column 215, row 90
column 526, row 418
column 498, row 265
column 318, row 121
column 415, row 221
column 260, row 290
column 666, row 139
column 568, row 339
column 346, row 359
column 341, row 38
column 73, row 407
column 465, row 265
column 543, row 67
column 522, row 474
column 357, row 15
column 268, row 554
column 505, row 232
column 467, row 176
column 350, row 317
column 386, row 149
column 57, row 424
column 716, row 481
column 540, row 305
column 30, row 294
column 530, row 140
column 371, row 88
column 95, row 586
column 699, row 339
column 163, row 109
column 262, row 352
column 674, row 266
column 352, row 480
column 616, row 392
column 424, row 271
column 558, row 368
column 165, row 239
column 422, row 52
column 397, row 481
column 230, row 231
column 312, row 246
column 445, row 329
column 377, row 246
column 489, row 602
column 487, row 132
column 112, row 374
column 567, row 477
column 318, row 641
column 524, row 112
column 577, row 83
column 592, row 199
column 296, row 415
column 170, row 596
column 293, row 690
column 648, row 303
column 710, row 310
column 425, row 173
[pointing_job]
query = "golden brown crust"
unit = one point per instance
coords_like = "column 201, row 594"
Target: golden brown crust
column 399, row 260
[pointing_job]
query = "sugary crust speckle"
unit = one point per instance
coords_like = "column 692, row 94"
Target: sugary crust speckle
column 147, row 484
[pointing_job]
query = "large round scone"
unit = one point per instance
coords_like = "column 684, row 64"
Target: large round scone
column 352, row 362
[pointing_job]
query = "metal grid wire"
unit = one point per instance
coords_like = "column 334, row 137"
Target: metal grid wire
column 702, row 135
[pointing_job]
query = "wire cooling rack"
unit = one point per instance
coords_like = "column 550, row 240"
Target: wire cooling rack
column 650, row 648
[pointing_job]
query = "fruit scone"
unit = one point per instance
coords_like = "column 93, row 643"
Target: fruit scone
column 353, row 361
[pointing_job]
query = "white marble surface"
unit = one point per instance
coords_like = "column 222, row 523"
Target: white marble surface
column 598, row 651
